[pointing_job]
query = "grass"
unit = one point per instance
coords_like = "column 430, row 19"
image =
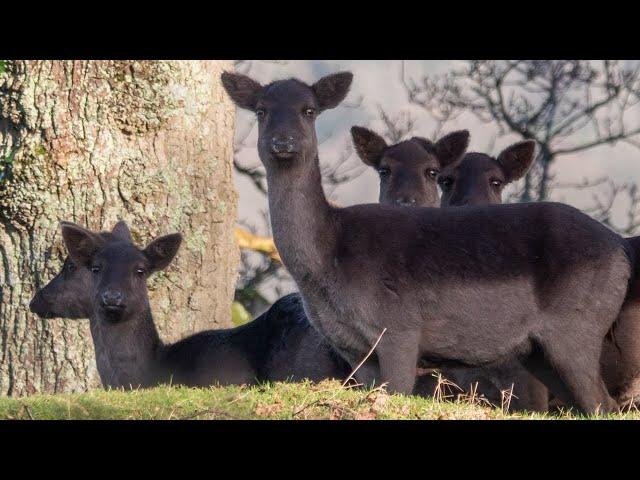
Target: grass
column 281, row 401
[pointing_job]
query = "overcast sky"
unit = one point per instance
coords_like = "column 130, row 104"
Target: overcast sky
column 377, row 84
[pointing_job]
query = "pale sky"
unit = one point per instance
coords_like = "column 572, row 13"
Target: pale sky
column 377, row 84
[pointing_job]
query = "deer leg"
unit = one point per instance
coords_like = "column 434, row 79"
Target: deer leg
column 581, row 381
column 585, row 383
column 540, row 368
column 533, row 395
column 529, row 393
column 398, row 356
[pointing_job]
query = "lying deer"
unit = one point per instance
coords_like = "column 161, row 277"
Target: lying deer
column 278, row 345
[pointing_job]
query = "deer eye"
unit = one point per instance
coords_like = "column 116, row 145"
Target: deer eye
column 71, row 267
column 95, row 269
column 384, row 171
column 495, row 183
column 140, row 271
column 260, row 112
column 431, row 173
column 309, row 112
column 445, row 182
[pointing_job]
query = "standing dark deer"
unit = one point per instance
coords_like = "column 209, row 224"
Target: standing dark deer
column 479, row 179
column 278, row 345
column 409, row 174
column 544, row 280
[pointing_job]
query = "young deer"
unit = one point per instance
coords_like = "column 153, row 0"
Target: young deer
column 544, row 280
column 479, row 179
column 409, row 173
column 409, row 169
column 278, row 345
column 67, row 294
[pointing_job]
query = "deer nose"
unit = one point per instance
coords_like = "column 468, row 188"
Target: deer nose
column 406, row 202
column 112, row 298
column 282, row 144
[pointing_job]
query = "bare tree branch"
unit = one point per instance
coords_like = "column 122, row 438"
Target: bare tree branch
column 567, row 106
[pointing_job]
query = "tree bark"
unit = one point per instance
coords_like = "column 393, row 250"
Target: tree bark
column 93, row 142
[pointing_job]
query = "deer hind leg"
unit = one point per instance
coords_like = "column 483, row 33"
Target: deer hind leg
column 541, row 369
column 577, row 366
column 620, row 359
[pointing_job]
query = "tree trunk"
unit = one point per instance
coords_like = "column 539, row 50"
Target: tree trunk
column 545, row 164
column 92, row 142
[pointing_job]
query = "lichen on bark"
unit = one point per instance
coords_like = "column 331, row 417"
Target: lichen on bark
column 149, row 142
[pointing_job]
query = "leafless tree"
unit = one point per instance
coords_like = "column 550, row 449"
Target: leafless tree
column 567, row 106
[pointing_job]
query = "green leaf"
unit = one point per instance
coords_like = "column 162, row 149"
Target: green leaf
column 3, row 66
column 239, row 314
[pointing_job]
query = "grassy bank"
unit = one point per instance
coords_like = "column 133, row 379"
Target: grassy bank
column 327, row 400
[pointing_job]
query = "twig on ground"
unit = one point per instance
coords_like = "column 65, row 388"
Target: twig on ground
column 304, row 407
column 439, row 392
column 344, row 384
column 506, row 395
column 365, row 358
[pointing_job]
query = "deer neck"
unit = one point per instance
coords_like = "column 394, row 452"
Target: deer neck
column 126, row 351
column 303, row 222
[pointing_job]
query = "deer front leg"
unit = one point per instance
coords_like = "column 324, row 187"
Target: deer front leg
column 398, row 355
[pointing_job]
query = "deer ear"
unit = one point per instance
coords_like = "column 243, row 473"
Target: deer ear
column 121, row 231
column 516, row 159
column 81, row 243
column 369, row 145
column 161, row 251
column 451, row 147
column 332, row 89
column 243, row 90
